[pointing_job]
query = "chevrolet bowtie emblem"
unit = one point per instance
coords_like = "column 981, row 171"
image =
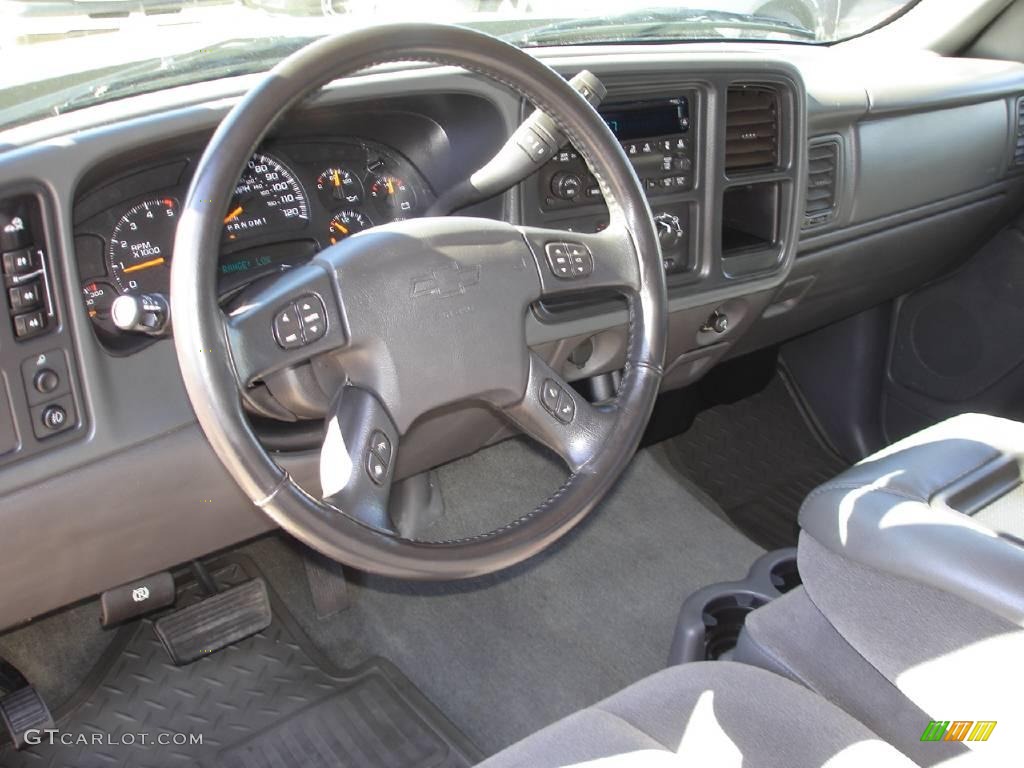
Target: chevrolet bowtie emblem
column 452, row 280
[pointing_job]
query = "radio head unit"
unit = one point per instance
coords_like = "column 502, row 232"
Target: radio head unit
column 655, row 135
column 648, row 119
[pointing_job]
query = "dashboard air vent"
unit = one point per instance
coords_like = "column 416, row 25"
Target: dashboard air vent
column 822, row 176
column 751, row 128
column 1018, row 148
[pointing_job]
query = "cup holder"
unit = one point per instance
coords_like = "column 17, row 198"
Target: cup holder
column 712, row 618
column 723, row 619
column 784, row 575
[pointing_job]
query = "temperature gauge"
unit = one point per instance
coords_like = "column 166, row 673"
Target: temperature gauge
column 347, row 223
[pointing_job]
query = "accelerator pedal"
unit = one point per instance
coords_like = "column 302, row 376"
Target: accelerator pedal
column 24, row 711
column 215, row 622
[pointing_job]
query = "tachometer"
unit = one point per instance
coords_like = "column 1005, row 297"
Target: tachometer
column 267, row 196
column 141, row 244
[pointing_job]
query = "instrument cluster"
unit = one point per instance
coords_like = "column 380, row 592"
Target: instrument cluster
column 291, row 201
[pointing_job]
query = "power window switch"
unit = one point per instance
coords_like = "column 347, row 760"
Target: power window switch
column 29, row 324
column 27, row 296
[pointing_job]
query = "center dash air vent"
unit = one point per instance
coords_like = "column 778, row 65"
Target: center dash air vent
column 1018, row 148
column 822, row 175
column 751, row 129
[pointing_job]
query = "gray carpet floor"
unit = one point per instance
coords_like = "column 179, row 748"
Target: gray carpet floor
column 504, row 655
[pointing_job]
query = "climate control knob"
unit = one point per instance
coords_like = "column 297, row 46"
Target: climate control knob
column 670, row 231
column 566, row 186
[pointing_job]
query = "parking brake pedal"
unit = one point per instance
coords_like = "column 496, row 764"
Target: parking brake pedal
column 24, row 711
column 215, row 622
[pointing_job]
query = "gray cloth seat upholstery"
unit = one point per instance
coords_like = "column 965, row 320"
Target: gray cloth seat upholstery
column 718, row 714
column 912, row 603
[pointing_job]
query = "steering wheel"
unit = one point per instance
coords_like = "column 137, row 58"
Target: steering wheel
column 414, row 316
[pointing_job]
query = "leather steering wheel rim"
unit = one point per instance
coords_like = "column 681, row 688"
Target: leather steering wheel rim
column 205, row 353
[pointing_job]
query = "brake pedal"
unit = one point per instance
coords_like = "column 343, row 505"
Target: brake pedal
column 215, row 622
column 24, row 711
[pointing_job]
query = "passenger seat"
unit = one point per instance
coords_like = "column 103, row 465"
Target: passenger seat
column 912, row 603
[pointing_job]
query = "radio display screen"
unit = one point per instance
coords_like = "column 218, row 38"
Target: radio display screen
column 646, row 119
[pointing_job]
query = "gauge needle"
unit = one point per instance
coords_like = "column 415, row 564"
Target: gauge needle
column 337, row 179
column 144, row 265
column 234, row 214
column 339, row 227
column 391, row 187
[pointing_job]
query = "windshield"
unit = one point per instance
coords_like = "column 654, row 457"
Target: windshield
column 60, row 55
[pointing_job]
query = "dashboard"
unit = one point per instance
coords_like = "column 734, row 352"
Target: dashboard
column 792, row 187
column 292, row 200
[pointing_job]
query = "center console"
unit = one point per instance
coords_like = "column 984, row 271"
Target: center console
column 660, row 138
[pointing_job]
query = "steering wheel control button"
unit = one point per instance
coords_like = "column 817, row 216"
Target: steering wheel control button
column 376, row 468
column 311, row 318
column 565, row 411
column 581, row 260
column 549, row 393
column 381, row 445
column 287, row 328
column 557, row 401
column 569, row 260
column 558, row 260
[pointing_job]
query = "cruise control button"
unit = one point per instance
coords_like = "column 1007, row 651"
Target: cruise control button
column 381, row 445
column 565, row 411
column 580, row 259
column 549, row 393
column 287, row 329
column 311, row 318
column 558, row 259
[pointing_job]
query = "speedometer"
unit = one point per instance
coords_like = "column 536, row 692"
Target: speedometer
column 268, row 196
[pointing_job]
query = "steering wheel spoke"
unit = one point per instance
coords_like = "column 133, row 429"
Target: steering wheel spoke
column 357, row 457
column 283, row 322
column 571, row 262
column 557, row 416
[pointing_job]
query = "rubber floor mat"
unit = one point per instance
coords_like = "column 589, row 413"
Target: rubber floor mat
column 269, row 701
column 758, row 459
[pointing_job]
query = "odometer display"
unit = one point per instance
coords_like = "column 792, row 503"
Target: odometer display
column 268, row 196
